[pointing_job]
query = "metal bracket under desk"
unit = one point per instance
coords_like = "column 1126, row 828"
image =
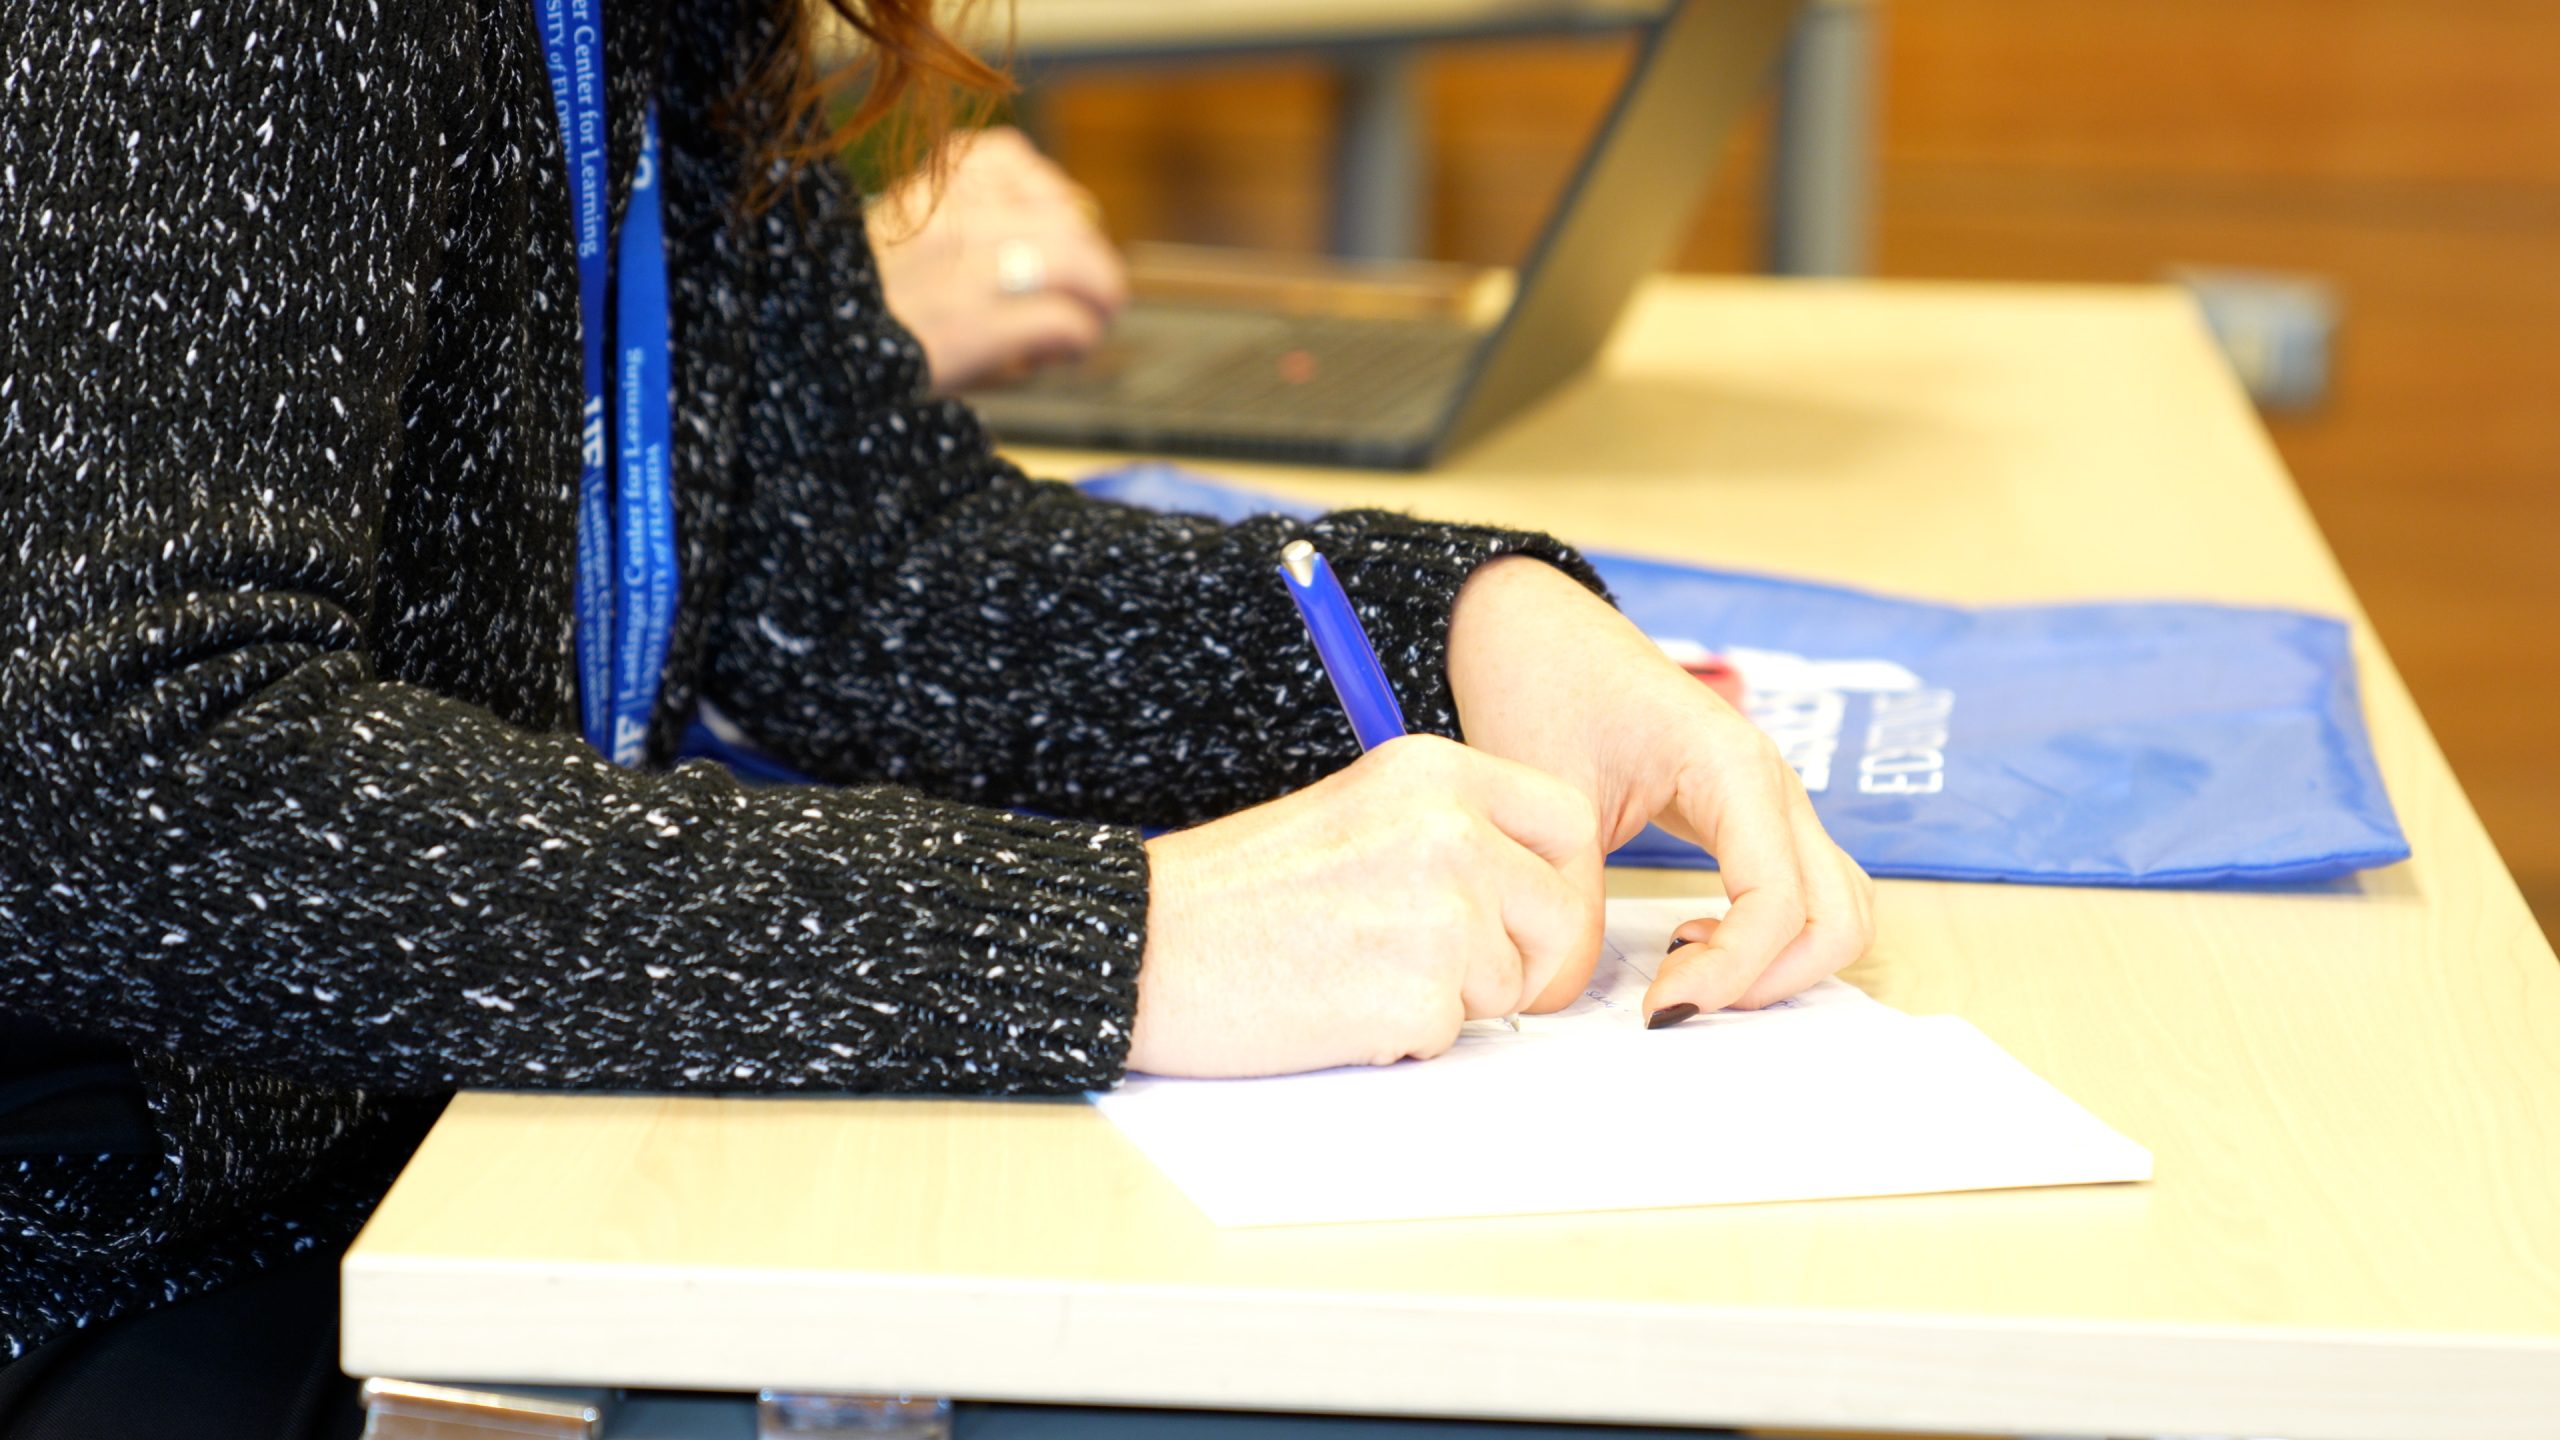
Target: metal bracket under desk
column 398, row 1410
column 406, row 1410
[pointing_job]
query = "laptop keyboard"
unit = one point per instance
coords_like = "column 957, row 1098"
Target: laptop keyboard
column 1325, row 372
column 1245, row 382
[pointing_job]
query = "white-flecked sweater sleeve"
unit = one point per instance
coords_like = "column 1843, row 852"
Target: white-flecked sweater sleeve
column 227, row 833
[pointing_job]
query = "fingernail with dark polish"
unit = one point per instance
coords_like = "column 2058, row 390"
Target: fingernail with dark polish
column 1669, row 1015
column 1677, row 942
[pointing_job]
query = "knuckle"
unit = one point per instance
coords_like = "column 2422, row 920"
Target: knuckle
column 1427, row 1045
column 1862, row 890
column 1789, row 907
column 1774, row 767
column 1428, row 755
column 1694, row 782
column 1438, row 837
column 1780, row 903
column 1729, row 730
column 1425, row 1027
column 1401, row 759
column 1445, row 921
column 1736, row 748
column 1386, row 768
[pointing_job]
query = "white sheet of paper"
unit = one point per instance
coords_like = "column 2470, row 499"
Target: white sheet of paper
column 1832, row 1094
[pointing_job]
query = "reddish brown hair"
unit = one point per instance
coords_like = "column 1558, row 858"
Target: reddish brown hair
column 915, row 84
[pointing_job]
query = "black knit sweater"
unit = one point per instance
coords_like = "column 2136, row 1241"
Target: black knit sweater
column 292, row 807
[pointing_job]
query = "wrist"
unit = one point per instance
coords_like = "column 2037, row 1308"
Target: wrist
column 1170, row 1005
column 1511, row 631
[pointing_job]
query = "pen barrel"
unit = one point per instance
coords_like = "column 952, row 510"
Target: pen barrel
column 1359, row 682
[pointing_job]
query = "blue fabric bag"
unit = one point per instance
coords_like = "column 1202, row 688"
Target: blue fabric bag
column 2099, row 744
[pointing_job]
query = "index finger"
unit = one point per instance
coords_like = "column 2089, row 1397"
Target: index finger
column 1839, row 921
column 1741, row 813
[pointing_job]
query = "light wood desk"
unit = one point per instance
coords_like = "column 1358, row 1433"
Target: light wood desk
column 2353, row 1092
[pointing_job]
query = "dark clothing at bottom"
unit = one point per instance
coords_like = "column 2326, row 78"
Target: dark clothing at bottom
column 254, row 1361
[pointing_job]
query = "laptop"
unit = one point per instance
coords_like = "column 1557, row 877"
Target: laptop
column 1295, row 383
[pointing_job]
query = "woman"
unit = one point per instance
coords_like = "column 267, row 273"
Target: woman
column 301, row 833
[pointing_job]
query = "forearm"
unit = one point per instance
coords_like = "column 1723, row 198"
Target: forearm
column 1024, row 645
column 901, row 604
column 368, row 886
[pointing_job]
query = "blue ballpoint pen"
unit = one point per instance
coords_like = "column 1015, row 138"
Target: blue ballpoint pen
column 1350, row 662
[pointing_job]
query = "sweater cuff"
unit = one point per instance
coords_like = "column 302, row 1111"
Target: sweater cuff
column 1025, row 936
column 995, row 952
column 1403, row 577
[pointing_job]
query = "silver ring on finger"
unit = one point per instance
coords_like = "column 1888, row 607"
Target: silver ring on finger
column 1020, row 268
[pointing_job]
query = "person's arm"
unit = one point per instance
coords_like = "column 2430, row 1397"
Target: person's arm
column 227, row 833
column 903, row 604
column 906, row 605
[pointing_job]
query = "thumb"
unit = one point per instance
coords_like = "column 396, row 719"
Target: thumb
column 1583, row 873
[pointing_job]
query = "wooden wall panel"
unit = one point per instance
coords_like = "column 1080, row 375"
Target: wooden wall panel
column 1224, row 155
column 2408, row 151
column 2434, row 467
column 2431, row 91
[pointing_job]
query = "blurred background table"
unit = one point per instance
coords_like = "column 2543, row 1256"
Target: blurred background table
column 1381, row 182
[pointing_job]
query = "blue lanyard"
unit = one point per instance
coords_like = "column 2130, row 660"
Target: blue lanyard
column 626, row 596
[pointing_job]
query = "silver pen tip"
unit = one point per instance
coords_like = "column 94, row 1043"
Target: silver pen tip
column 1299, row 559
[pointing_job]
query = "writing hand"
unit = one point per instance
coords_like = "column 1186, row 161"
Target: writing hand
column 1548, row 675
column 1365, row 918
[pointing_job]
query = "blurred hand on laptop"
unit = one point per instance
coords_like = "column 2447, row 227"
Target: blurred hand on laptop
column 1004, row 271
